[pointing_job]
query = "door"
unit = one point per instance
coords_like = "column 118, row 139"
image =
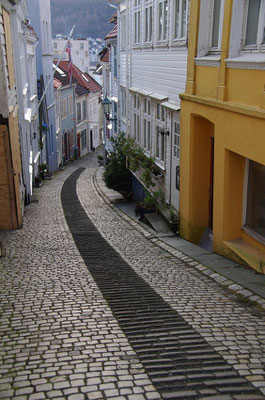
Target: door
column 175, row 169
column 91, row 141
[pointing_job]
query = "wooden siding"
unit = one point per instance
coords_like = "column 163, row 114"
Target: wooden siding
column 161, row 71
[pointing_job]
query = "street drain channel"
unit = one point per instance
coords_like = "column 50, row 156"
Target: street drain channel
column 177, row 359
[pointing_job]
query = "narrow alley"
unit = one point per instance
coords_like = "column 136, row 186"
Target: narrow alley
column 92, row 309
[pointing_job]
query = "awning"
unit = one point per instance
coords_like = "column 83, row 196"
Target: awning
column 172, row 105
column 159, row 97
column 145, row 92
column 133, row 89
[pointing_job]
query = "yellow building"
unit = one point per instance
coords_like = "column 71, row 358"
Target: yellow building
column 223, row 129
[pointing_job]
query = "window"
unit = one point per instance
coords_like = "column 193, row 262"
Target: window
column 137, row 127
column 162, row 19
column 123, row 30
column 255, row 207
column 83, row 139
column 180, row 19
column 255, row 23
column 81, row 46
column 55, row 45
column 210, row 27
column 176, row 141
column 77, row 52
column 147, row 124
column 78, row 112
column 148, row 21
column 115, row 108
column 123, row 102
column 160, row 133
column 63, row 108
column 115, row 61
column 84, row 109
column 137, row 21
column 70, row 105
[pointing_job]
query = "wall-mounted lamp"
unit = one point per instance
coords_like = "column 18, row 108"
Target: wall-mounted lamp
column 107, row 109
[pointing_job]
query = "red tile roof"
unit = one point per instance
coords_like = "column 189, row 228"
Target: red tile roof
column 112, row 34
column 104, row 55
column 84, row 79
column 56, row 83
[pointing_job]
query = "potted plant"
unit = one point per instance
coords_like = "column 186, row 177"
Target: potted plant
column 174, row 221
column 100, row 159
column 43, row 170
column 148, row 206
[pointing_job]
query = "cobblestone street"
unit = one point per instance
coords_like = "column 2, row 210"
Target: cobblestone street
column 93, row 308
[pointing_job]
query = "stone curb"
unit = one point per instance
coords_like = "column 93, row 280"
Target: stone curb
column 148, row 234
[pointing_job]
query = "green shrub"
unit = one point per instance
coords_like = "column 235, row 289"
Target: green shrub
column 117, row 176
column 149, row 201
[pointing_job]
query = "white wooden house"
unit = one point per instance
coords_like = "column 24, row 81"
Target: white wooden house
column 152, row 59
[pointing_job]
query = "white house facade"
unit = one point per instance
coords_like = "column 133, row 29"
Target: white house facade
column 24, row 42
column 152, row 42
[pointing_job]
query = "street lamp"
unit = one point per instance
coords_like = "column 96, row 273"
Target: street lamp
column 107, row 110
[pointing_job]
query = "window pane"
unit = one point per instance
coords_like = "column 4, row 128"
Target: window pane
column 165, row 19
column 157, row 142
column 160, row 21
column 145, row 133
column 158, row 111
column 252, row 21
column 184, row 16
column 255, row 218
column 146, row 25
column 162, row 147
column 216, row 22
column 150, row 23
column 176, row 18
column 149, row 135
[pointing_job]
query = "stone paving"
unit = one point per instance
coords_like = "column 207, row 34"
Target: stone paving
column 59, row 338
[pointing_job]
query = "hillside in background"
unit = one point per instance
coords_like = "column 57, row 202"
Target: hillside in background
column 90, row 17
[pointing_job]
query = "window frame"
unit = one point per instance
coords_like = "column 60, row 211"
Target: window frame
column 163, row 38
column 78, row 112
column 148, row 21
column 83, row 139
column 160, row 139
column 137, row 22
column 147, row 124
column 137, row 117
column 176, row 37
column 260, row 39
column 176, row 135
column 123, row 33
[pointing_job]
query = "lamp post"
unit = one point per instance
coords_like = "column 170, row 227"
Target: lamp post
column 107, row 110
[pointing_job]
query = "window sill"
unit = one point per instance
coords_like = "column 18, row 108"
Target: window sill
column 247, row 61
column 160, row 164
column 161, row 44
column 208, row 61
column 254, row 234
column 179, row 43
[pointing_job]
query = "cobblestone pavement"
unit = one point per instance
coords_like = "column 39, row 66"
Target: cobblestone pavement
column 59, row 337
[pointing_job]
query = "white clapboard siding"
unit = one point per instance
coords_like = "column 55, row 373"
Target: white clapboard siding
column 161, row 71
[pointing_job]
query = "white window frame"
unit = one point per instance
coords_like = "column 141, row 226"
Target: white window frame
column 205, row 47
column 163, row 36
column 137, row 117
column 84, row 110
column 176, row 140
column 123, row 102
column 63, row 108
column 123, row 30
column 137, row 22
column 260, row 40
column 83, row 139
column 180, row 31
column 160, row 139
column 147, row 126
column 148, row 21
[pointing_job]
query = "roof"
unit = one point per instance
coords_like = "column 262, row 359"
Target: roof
column 113, row 19
column 56, row 83
column 82, row 78
column 104, row 55
column 112, row 34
